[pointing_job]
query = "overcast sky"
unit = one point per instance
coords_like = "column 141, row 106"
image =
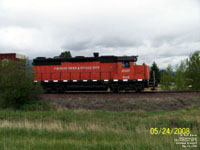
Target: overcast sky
column 165, row 31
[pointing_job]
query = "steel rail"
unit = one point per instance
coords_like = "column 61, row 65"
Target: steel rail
column 123, row 92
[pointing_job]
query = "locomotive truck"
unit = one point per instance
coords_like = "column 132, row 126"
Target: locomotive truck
column 114, row 73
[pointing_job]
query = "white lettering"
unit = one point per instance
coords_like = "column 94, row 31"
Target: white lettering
column 127, row 70
column 125, row 77
column 78, row 68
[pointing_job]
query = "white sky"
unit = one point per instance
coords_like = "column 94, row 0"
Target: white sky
column 165, row 31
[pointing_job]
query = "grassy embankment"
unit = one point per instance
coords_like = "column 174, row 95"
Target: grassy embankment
column 94, row 129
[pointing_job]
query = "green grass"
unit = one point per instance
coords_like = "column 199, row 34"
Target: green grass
column 93, row 129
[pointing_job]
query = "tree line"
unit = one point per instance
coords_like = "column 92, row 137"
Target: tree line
column 186, row 75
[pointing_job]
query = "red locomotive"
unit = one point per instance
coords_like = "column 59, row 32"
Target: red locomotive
column 91, row 73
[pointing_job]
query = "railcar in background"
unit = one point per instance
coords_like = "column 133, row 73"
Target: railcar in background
column 91, row 73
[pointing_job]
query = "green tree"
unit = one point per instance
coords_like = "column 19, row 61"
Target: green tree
column 193, row 70
column 16, row 84
column 156, row 70
column 180, row 77
column 167, row 78
column 65, row 54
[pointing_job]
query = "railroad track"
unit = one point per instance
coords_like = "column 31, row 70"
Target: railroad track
column 123, row 92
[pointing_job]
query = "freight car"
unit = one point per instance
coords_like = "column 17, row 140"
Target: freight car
column 91, row 73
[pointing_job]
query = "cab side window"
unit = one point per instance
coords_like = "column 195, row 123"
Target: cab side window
column 125, row 64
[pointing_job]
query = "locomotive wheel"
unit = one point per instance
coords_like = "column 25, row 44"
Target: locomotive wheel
column 115, row 88
column 60, row 88
column 139, row 88
column 47, row 88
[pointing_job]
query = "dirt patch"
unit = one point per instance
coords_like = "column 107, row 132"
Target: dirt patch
column 125, row 101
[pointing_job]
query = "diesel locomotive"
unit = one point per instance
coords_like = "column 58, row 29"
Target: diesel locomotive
column 114, row 73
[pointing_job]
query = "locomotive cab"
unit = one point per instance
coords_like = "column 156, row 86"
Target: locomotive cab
column 133, row 77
